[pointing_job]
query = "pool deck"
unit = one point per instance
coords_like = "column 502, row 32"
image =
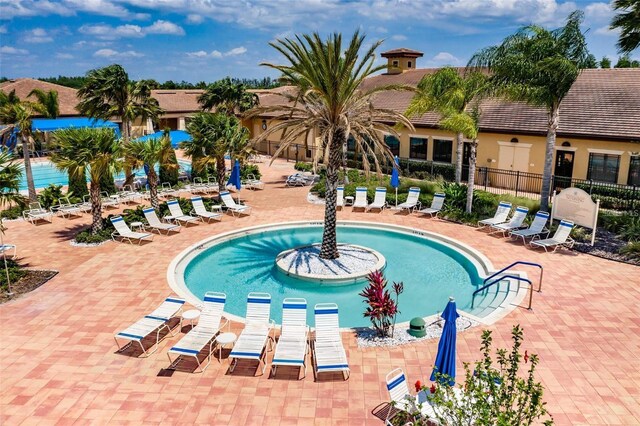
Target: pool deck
column 58, row 363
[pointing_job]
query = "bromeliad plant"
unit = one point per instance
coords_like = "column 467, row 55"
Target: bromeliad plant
column 381, row 306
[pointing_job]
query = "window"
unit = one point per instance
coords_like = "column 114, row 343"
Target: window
column 393, row 143
column 418, row 148
column 351, row 144
column 409, row 64
column 395, row 64
column 634, row 171
column 603, row 167
column 442, row 150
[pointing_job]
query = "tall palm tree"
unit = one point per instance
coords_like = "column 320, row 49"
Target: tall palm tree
column 19, row 114
column 628, row 22
column 46, row 102
column 10, row 173
column 107, row 92
column 8, row 98
column 147, row 154
column 538, row 66
column 449, row 93
column 93, row 150
column 227, row 97
column 212, row 136
column 328, row 77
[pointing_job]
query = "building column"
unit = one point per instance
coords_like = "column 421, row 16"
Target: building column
column 181, row 124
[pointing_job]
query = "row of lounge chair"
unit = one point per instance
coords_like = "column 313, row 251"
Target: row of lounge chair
column 379, row 203
column 255, row 340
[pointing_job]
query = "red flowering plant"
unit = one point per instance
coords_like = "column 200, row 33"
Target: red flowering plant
column 381, row 306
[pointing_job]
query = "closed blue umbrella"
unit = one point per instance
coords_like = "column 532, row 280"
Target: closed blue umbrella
column 446, row 357
column 395, row 177
column 234, row 179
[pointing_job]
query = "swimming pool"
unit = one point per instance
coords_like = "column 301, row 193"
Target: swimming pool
column 45, row 173
column 432, row 268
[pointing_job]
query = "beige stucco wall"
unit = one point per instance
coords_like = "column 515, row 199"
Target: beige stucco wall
column 403, row 64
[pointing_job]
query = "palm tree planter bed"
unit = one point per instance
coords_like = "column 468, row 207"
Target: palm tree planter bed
column 31, row 280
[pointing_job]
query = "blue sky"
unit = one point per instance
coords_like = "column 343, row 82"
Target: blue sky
column 207, row 40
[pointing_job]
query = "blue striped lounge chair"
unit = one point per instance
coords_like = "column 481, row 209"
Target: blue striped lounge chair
column 537, row 228
column 232, row 206
column 412, row 201
column 256, row 337
column 361, row 198
column 201, row 211
column 328, row 351
column 203, row 334
column 514, row 223
column 291, row 349
column 154, row 323
column 155, row 224
column 379, row 200
column 436, row 205
column 177, row 216
column 124, row 233
column 501, row 215
column 560, row 239
column 399, row 394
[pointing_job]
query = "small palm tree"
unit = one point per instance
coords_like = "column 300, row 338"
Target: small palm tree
column 47, row 103
column 329, row 99
column 147, row 154
column 93, row 150
column 19, row 114
column 449, row 94
column 10, row 173
column 538, row 66
column 227, row 97
column 628, row 22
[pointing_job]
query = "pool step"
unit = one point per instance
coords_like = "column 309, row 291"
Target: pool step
column 496, row 298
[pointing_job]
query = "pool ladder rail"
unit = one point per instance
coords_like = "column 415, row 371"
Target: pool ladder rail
column 498, row 277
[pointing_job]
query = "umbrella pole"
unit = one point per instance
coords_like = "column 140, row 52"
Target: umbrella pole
column 396, row 197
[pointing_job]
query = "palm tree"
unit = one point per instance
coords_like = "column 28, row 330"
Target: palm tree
column 328, row 78
column 628, row 22
column 147, row 154
column 47, row 103
column 93, row 150
column 449, row 93
column 227, row 97
column 108, row 92
column 212, row 136
column 8, row 98
column 10, row 173
column 19, row 114
column 538, row 66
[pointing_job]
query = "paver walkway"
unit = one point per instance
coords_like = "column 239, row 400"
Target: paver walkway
column 58, row 363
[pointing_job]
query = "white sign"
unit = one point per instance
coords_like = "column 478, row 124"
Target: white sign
column 576, row 205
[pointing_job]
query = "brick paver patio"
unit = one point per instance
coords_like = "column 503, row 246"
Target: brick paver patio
column 58, row 363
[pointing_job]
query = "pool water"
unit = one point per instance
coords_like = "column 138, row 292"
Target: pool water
column 431, row 272
column 45, row 173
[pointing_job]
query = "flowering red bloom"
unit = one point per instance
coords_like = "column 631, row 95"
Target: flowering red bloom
column 433, row 388
column 526, row 357
column 418, row 386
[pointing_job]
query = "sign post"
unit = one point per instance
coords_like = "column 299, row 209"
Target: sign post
column 576, row 205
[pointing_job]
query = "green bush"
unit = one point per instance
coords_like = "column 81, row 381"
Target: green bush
column 77, row 188
column 631, row 230
column 108, row 185
column 303, row 166
column 631, row 251
column 250, row 169
column 86, row 237
column 16, row 272
column 13, row 212
column 169, row 173
column 50, row 196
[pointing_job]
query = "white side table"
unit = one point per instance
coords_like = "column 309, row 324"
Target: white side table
column 348, row 200
column 190, row 315
column 216, row 208
column 225, row 339
column 137, row 226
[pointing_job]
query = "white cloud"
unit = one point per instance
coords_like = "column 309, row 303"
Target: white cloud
column 113, row 54
column 192, row 18
column 164, row 27
column 236, row 51
column 107, row 32
column 37, row 35
column 445, row 58
column 10, row 9
column 8, row 50
column 398, row 37
column 64, row 56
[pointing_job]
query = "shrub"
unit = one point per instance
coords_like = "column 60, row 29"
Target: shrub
column 631, row 251
column 303, row 166
column 86, row 237
column 250, row 169
column 381, row 307
column 170, row 172
column 107, row 184
column 15, row 273
column 77, row 187
column 631, row 230
column 50, row 196
column 13, row 212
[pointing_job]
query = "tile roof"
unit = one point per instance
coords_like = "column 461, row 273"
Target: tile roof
column 67, row 98
column 402, row 52
column 178, row 100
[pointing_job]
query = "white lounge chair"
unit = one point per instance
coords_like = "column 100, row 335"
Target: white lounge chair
column 203, row 334
column 380, row 199
column 560, row 239
column 537, row 228
column 197, row 186
column 340, row 196
column 295, row 179
column 166, row 190
column 201, row 211
column 328, row 351
column 109, row 201
column 156, row 321
column 255, row 339
column 412, row 202
column 212, row 184
column 361, row 198
column 125, row 233
column 291, row 349
column 253, row 183
column 4, row 248
column 155, row 224
column 66, row 209
column 85, row 206
column 401, row 398
column 502, row 212
column 514, row 223
column 36, row 213
column 234, row 207
column 128, row 195
column 436, row 205
column 177, row 216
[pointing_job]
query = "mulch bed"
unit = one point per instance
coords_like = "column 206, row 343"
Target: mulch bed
column 31, row 281
column 607, row 245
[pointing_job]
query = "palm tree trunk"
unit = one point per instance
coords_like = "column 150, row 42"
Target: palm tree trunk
column 554, row 121
column 27, row 169
column 96, row 207
column 459, row 147
column 126, row 136
column 220, row 169
column 472, row 175
column 152, row 180
column 329, row 249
